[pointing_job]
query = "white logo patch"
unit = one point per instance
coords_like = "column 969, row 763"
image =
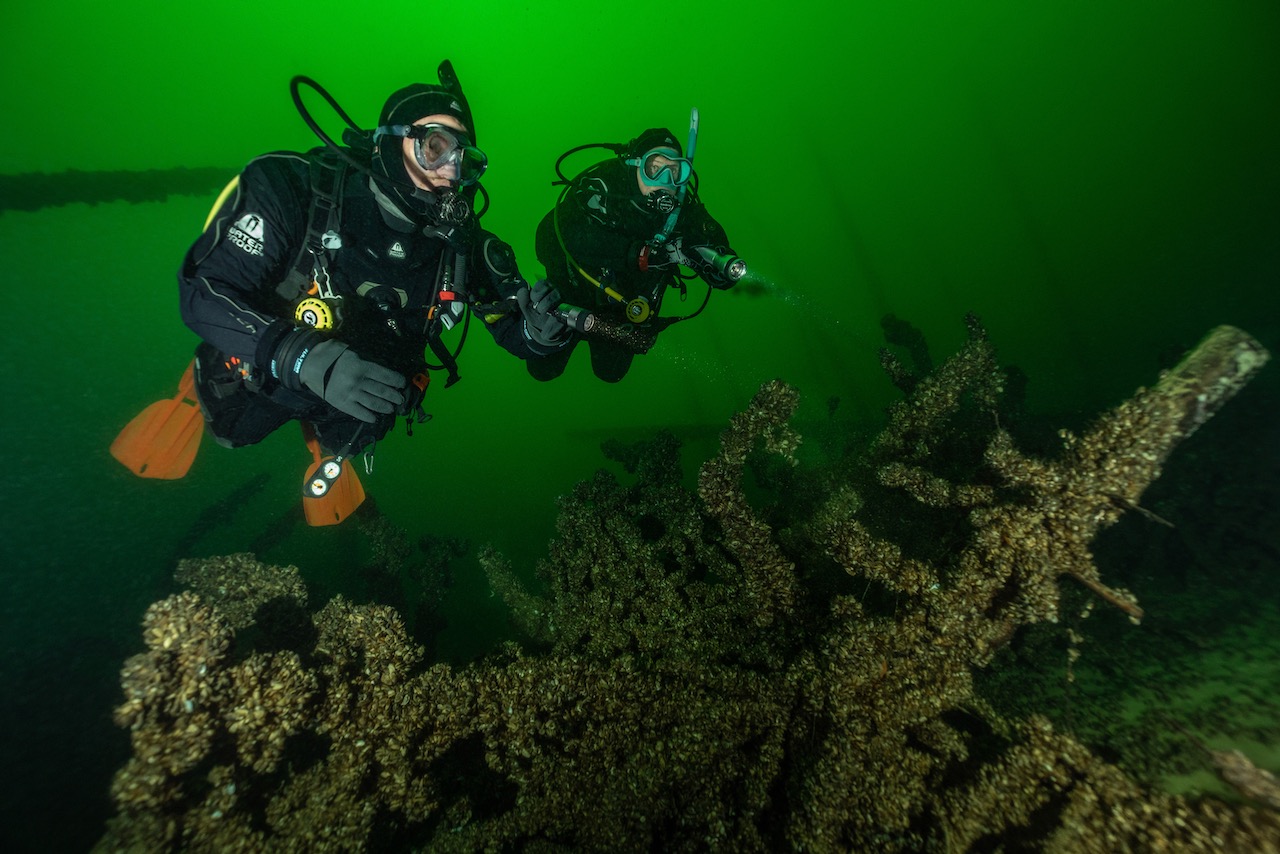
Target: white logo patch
column 396, row 251
column 247, row 233
column 597, row 206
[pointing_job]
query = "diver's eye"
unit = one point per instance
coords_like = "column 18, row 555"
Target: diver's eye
column 656, row 165
column 437, row 145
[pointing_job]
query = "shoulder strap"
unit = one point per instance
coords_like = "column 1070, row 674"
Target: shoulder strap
column 327, row 177
column 572, row 262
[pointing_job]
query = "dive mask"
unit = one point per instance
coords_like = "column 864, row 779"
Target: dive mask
column 436, row 146
column 662, row 167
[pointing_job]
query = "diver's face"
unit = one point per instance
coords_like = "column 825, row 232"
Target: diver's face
column 657, row 162
column 431, row 179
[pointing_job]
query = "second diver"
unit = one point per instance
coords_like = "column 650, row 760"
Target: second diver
column 617, row 240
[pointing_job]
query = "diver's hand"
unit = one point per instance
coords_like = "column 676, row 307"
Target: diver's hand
column 717, row 266
column 332, row 370
column 541, row 326
column 665, row 255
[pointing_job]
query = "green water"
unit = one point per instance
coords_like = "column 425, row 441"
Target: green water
column 1098, row 181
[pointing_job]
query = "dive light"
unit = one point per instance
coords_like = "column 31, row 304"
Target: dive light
column 728, row 266
column 577, row 319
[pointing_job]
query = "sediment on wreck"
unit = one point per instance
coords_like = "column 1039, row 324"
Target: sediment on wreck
column 696, row 674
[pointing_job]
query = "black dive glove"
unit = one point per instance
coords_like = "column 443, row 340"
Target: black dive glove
column 541, row 325
column 331, row 369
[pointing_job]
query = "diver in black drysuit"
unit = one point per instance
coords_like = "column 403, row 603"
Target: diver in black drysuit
column 324, row 318
column 606, row 224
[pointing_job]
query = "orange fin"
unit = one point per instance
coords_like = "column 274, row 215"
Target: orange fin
column 344, row 495
column 162, row 440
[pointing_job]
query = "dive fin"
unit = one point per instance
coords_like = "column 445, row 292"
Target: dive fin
column 343, row 495
column 161, row 441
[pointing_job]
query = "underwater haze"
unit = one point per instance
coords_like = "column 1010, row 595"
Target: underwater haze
column 1097, row 181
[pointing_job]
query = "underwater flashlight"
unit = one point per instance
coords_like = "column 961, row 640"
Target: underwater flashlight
column 728, row 266
column 577, row 319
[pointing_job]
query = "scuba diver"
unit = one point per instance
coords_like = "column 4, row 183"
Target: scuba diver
column 322, row 285
column 618, row 238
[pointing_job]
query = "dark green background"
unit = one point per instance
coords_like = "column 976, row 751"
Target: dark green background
column 1099, row 181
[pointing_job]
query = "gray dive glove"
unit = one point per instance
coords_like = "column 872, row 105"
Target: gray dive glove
column 350, row 384
column 541, row 325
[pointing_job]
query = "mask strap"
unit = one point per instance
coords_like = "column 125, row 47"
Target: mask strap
column 391, row 130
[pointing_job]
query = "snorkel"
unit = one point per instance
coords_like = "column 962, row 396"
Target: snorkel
column 726, row 266
column 662, row 236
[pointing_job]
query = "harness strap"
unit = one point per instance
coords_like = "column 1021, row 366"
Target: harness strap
column 446, row 358
column 448, row 292
column 327, row 179
column 555, row 222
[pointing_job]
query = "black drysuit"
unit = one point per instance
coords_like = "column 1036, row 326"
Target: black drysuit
column 606, row 226
column 238, row 294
